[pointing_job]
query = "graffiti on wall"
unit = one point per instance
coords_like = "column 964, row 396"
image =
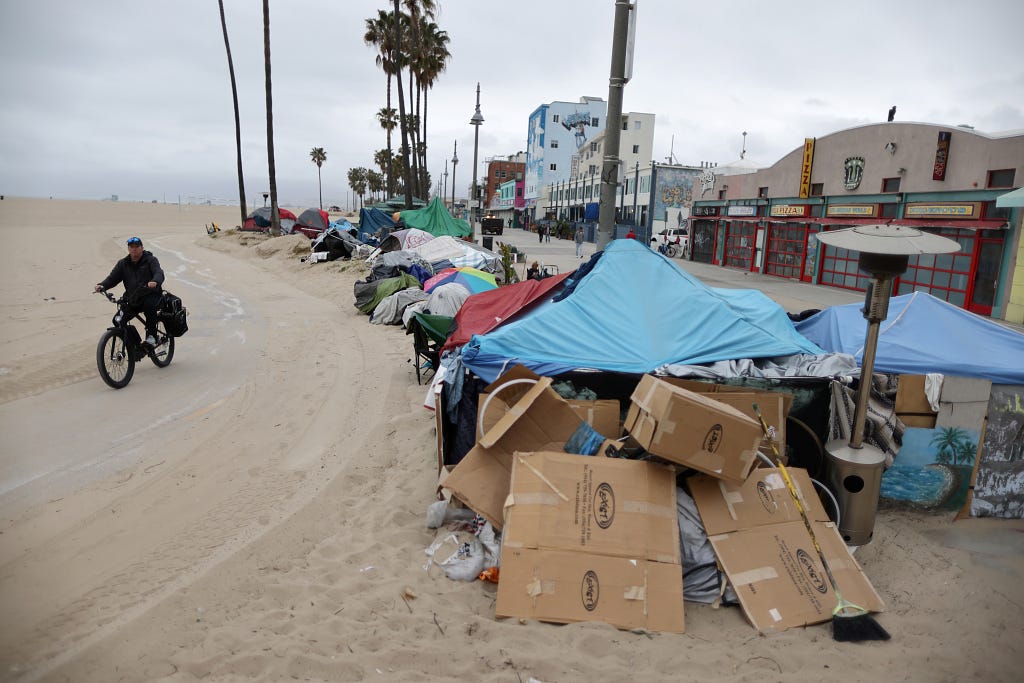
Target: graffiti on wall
column 673, row 198
column 577, row 122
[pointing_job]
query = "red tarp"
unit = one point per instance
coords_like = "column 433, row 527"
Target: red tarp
column 487, row 310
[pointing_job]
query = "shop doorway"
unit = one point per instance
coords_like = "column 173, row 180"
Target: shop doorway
column 986, row 276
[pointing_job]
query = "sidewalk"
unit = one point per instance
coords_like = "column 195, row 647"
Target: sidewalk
column 794, row 296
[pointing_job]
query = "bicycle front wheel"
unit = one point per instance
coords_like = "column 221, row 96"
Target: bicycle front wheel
column 113, row 359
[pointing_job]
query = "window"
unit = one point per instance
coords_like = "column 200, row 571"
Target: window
column 553, row 167
column 888, row 210
column 636, row 149
column 721, row 194
column 890, row 184
column 762, row 192
column 554, row 119
column 636, row 125
column 519, row 192
column 554, row 144
column 594, row 121
column 817, row 189
column 501, row 174
column 519, row 175
column 1001, row 178
column 593, row 146
column 625, row 124
column 645, row 184
column 593, row 169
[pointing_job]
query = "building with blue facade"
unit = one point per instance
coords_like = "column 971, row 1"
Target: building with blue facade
column 557, row 131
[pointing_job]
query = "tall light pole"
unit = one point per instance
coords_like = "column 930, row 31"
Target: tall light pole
column 455, row 160
column 617, row 79
column 444, row 189
column 475, row 121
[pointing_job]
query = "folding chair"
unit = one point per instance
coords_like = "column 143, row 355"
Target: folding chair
column 429, row 333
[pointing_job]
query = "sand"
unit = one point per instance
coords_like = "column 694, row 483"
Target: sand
column 255, row 511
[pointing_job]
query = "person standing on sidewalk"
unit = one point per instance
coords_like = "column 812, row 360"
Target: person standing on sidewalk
column 579, row 242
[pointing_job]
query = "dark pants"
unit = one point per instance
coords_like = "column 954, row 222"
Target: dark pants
column 148, row 304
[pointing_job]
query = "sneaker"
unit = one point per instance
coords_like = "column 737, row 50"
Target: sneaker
column 150, row 340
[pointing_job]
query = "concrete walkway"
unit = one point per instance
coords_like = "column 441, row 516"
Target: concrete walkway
column 794, row 296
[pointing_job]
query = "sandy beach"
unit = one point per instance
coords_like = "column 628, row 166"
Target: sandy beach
column 255, row 511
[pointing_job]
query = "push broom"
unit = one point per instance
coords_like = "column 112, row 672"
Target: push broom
column 850, row 622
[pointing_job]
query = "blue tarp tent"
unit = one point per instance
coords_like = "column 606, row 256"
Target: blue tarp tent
column 372, row 220
column 922, row 334
column 630, row 309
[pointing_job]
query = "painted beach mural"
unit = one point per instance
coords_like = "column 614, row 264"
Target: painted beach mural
column 933, row 468
column 999, row 488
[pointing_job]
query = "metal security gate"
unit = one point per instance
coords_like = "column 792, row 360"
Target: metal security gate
column 702, row 240
column 739, row 245
column 787, row 246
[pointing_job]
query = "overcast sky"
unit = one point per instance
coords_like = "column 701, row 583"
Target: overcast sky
column 132, row 97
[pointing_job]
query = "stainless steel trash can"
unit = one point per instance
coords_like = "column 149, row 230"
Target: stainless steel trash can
column 855, row 477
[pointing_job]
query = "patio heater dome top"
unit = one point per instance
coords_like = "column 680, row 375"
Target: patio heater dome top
column 888, row 239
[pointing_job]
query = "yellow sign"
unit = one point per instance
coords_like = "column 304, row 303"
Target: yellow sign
column 942, row 210
column 789, row 210
column 851, row 210
column 805, row 169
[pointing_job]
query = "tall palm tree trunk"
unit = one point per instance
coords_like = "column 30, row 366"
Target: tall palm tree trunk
column 320, row 187
column 423, row 124
column 401, row 106
column 390, row 180
column 238, row 127
column 275, row 213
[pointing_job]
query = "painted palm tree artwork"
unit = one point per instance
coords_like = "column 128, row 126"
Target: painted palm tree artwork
column 933, row 468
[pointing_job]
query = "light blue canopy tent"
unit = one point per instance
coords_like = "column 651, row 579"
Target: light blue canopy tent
column 630, row 309
column 923, row 334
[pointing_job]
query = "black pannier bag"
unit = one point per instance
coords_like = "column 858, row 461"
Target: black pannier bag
column 173, row 315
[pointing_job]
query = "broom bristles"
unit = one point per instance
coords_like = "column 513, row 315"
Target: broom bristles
column 857, row 628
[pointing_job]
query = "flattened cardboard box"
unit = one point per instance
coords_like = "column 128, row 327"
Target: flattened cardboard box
column 693, row 429
column 762, row 544
column 591, row 539
column 540, row 420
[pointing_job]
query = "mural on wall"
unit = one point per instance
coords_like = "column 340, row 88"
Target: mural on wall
column 578, row 122
column 999, row 488
column 535, row 153
column 673, row 197
column 933, row 468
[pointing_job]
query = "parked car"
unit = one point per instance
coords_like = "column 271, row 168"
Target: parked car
column 671, row 241
column 334, row 208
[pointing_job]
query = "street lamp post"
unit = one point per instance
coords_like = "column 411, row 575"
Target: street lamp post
column 455, row 161
column 475, row 121
column 444, row 189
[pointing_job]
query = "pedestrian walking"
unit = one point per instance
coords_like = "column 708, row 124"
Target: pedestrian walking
column 547, row 234
column 579, row 242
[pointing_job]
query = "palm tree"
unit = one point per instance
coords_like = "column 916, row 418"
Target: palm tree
column 388, row 119
column 319, row 156
column 374, row 181
column 431, row 60
column 380, row 34
column 357, row 181
column 949, row 443
column 234, row 101
column 401, row 105
column 275, row 213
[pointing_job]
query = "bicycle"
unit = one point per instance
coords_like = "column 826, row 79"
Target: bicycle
column 121, row 346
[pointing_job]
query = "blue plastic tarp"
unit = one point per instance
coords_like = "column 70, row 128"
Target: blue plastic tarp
column 372, row 220
column 922, row 334
column 632, row 310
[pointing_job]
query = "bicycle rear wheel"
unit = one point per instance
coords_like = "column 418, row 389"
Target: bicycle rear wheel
column 163, row 352
column 113, row 359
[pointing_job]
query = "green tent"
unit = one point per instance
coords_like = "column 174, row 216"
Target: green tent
column 435, row 219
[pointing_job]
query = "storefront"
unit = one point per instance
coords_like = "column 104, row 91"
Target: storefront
column 741, row 238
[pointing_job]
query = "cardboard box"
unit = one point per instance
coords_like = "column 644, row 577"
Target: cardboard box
column 693, row 429
column 540, row 420
column 910, row 396
column 774, row 405
column 591, row 539
column 763, row 546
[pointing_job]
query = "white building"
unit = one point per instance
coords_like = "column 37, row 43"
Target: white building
column 557, row 131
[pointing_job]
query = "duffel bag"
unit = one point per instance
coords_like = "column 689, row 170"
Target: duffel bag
column 173, row 314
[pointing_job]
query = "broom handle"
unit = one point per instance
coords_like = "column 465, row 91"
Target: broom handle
column 799, row 505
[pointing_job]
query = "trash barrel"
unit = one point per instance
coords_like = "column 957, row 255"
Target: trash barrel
column 488, row 241
column 855, row 476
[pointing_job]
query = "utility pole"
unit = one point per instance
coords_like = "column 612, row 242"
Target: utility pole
column 613, row 123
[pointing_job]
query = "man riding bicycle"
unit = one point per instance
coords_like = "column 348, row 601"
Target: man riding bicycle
column 142, row 276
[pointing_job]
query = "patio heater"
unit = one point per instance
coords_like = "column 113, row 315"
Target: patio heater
column 854, row 469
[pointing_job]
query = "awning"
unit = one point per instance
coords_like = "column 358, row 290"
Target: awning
column 986, row 224
column 1011, row 199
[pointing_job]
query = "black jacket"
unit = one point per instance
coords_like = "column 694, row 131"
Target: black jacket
column 135, row 275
